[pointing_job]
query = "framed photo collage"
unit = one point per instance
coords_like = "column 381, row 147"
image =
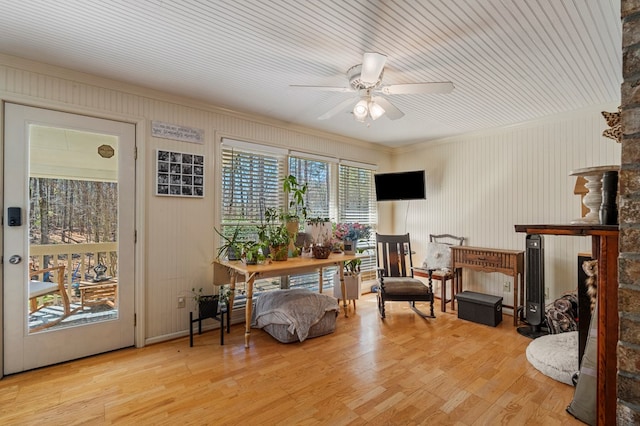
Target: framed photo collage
column 179, row 174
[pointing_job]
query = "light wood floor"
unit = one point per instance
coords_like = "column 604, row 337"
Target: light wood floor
column 401, row 371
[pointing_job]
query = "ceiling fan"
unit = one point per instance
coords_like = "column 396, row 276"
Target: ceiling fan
column 366, row 80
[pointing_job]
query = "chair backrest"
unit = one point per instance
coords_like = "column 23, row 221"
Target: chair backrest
column 449, row 239
column 394, row 255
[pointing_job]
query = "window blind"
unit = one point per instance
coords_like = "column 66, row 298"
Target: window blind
column 357, row 203
column 251, row 182
column 317, row 175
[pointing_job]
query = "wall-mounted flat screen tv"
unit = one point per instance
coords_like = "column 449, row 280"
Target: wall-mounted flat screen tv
column 400, row 186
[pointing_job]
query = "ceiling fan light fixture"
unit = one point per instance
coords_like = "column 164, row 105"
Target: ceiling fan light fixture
column 375, row 110
column 361, row 110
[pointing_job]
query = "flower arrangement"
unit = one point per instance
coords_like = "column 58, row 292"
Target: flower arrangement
column 352, row 231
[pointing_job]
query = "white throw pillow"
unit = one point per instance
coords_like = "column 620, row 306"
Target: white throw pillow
column 438, row 256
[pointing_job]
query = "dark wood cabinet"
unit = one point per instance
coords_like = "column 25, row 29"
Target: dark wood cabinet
column 604, row 248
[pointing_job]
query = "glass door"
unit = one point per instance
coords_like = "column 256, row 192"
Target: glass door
column 68, row 236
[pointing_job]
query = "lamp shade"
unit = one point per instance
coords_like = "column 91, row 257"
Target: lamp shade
column 361, row 110
column 375, row 110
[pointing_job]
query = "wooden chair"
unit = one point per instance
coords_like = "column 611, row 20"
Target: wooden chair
column 439, row 262
column 395, row 275
column 39, row 289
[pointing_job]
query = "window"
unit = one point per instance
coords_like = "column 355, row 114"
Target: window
column 317, row 175
column 252, row 181
column 357, row 203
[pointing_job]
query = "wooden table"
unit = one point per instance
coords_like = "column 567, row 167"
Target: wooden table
column 508, row 262
column 291, row 266
column 604, row 248
column 97, row 293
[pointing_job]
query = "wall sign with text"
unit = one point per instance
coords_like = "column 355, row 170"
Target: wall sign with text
column 179, row 174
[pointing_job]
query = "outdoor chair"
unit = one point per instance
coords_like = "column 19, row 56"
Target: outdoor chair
column 395, row 275
column 38, row 289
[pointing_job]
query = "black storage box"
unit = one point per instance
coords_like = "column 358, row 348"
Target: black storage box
column 480, row 308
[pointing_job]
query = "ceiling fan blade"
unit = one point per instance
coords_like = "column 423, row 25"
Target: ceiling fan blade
column 390, row 110
column 323, row 88
column 336, row 109
column 372, row 66
column 418, row 88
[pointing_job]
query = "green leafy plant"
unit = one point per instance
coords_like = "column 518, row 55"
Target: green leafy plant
column 231, row 246
column 224, row 293
column 317, row 220
column 273, row 232
column 295, row 194
column 253, row 252
column 352, row 267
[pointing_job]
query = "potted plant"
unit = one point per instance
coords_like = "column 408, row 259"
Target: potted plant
column 295, row 196
column 231, row 245
column 319, row 228
column 274, row 234
column 297, row 211
column 207, row 303
column 252, row 253
column 320, row 231
column 352, row 280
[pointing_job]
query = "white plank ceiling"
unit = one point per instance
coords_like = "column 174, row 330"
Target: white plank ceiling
column 510, row 60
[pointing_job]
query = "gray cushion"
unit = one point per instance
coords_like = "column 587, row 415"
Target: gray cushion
column 298, row 311
column 395, row 286
column 326, row 325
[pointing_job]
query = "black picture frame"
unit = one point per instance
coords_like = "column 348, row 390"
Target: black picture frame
column 179, row 174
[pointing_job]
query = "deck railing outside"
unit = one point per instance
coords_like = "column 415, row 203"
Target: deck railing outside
column 79, row 259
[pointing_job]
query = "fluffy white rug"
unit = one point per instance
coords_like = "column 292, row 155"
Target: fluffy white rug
column 555, row 355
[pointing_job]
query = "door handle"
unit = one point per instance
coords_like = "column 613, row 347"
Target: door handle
column 15, row 259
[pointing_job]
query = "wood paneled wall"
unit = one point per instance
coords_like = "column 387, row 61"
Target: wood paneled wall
column 480, row 185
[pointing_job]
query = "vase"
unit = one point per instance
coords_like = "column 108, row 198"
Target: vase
column 350, row 246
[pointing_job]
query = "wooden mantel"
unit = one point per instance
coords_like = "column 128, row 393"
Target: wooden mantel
column 604, row 248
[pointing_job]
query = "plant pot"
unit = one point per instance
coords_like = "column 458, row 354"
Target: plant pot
column 350, row 246
column 207, row 306
column 292, row 229
column 279, row 253
column 321, row 252
column 233, row 253
column 351, row 282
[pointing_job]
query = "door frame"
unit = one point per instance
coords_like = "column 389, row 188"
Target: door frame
column 140, row 263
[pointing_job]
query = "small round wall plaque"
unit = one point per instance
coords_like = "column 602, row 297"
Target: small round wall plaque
column 105, row 151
